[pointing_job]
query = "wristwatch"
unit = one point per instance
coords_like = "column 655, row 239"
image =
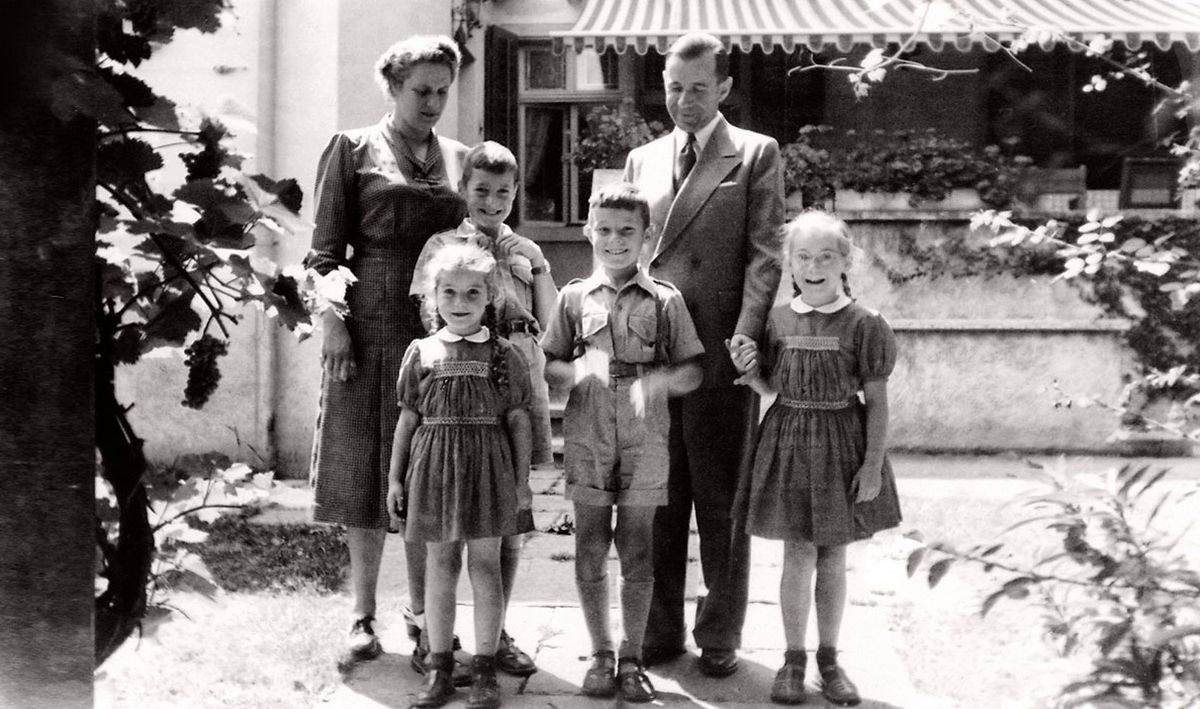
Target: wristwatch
column 539, row 270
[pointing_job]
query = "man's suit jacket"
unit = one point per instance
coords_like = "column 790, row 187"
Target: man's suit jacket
column 719, row 236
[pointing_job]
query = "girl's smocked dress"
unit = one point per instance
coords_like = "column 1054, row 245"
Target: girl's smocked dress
column 461, row 482
column 376, row 204
column 812, row 439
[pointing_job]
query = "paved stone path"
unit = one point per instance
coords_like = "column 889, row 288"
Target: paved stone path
column 545, row 618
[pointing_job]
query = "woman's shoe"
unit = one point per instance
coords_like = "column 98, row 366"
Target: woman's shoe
column 837, row 687
column 600, row 680
column 632, row 682
column 511, row 659
column 361, row 642
column 788, row 687
column 439, row 684
column 485, row 690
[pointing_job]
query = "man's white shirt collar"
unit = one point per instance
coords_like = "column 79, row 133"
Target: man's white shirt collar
column 702, row 135
column 480, row 335
column 798, row 305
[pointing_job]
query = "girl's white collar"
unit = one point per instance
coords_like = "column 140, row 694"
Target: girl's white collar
column 799, row 306
column 480, row 335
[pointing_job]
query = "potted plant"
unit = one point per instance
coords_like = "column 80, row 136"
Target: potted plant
column 608, row 136
column 912, row 168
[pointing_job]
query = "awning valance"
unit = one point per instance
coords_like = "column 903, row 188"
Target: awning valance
column 646, row 24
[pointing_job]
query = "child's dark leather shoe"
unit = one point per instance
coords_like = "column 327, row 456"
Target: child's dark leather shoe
column 485, row 690
column 439, row 684
column 511, row 659
column 788, row 687
column 361, row 642
column 632, row 682
column 600, row 680
column 838, row 688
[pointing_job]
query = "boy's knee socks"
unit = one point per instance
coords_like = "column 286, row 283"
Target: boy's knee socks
column 593, row 600
column 635, row 609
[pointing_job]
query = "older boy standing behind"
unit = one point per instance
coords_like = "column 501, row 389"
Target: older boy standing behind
column 525, row 297
column 622, row 343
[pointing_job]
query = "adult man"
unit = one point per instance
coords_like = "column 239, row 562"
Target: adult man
column 717, row 192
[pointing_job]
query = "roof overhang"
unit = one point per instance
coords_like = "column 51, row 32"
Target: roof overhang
column 653, row 24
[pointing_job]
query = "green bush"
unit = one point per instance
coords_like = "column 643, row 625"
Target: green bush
column 922, row 163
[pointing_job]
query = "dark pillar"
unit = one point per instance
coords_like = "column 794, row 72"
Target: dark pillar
column 47, row 454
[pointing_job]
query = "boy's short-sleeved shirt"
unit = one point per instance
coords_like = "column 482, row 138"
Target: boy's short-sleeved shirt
column 612, row 454
column 586, row 308
column 514, row 273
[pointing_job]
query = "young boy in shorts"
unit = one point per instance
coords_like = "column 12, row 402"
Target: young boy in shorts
column 525, row 298
column 621, row 342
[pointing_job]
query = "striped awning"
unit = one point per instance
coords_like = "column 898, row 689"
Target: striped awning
column 647, row 24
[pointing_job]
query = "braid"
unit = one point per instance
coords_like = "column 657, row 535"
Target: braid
column 499, row 360
column 846, row 285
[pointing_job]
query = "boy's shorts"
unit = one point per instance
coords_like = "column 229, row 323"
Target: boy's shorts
column 611, row 455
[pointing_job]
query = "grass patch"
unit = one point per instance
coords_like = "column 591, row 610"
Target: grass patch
column 246, row 557
column 260, row 650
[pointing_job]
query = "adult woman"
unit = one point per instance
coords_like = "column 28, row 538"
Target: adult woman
column 381, row 191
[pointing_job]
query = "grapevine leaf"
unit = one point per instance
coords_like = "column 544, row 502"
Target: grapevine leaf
column 115, row 283
column 127, row 347
column 202, row 193
column 287, row 191
column 113, row 41
column 134, row 92
column 203, row 15
column 125, row 161
column 161, row 113
column 174, row 320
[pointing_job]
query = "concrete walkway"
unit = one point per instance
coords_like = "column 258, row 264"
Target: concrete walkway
column 545, row 619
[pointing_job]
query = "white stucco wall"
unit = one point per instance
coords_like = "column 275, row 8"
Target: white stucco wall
column 216, row 75
column 325, row 53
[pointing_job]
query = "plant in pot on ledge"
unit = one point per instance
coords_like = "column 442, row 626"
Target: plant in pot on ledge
column 898, row 169
column 610, row 133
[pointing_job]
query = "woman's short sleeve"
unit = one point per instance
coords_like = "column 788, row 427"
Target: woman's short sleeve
column 408, row 384
column 518, row 379
column 876, row 348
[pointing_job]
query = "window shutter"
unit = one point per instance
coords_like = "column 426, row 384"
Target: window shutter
column 500, row 83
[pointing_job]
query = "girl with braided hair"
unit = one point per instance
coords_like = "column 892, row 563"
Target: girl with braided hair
column 459, row 474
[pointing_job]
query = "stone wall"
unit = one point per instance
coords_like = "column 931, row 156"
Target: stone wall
column 984, row 359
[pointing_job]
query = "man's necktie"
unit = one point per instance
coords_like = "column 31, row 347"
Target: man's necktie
column 686, row 160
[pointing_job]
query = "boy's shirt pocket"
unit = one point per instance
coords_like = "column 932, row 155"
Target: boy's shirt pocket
column 643, row 330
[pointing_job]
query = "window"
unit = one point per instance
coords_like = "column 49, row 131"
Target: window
column 555, row 92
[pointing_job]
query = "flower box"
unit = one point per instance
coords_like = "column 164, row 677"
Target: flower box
column 959, row 199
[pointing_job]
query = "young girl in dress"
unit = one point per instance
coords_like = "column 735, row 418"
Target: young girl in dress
column 820, row 477
column 459, row 473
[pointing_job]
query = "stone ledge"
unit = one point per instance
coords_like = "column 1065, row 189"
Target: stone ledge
column 1007, row 325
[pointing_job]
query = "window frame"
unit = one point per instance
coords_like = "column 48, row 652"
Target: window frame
column 573, row 102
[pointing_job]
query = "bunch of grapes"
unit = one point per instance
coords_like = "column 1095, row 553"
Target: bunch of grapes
column 203, row 374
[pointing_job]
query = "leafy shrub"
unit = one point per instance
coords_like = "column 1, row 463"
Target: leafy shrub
column 1116, row 586
column 611, row 132
column 922, row 163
